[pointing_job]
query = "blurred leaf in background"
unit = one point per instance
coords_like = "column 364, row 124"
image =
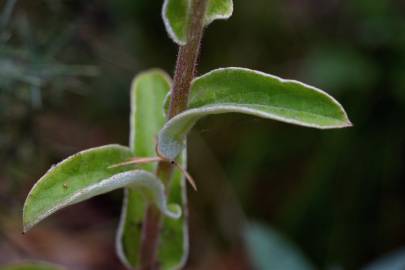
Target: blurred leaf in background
column 269, row 250
column 393, row 261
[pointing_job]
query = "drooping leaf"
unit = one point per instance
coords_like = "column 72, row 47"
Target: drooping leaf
column 251, row 92
column 67, row 184
column 176, row 16
column 147, row 96
column 71, row 181
column 85, row 175
column 269, row 250
column 31, row 266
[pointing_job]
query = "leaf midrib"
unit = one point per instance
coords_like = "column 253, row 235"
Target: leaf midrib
column 268, row 106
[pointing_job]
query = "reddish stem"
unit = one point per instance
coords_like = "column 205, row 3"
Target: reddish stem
column 183, row 76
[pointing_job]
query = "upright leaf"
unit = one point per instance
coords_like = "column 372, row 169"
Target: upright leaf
column 174, row 242
column 72, row 181
column 176, row 16
column 218, row 9
column 254, row 93
column 147, row 96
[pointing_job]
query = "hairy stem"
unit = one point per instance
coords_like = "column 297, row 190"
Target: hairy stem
column 187, row 59
column 183, row 76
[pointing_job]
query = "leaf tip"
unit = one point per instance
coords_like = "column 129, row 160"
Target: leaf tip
column 345, row 124
column 27, row 224
column 174, row 211
column 26, row 228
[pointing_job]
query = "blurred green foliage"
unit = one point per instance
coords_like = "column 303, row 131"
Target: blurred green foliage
column 338, row 195
column 269, row 250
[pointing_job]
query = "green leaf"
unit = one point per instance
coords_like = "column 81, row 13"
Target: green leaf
column 218, row 9
column 174, row 242
column 71, row 181
column 30, row 266
column 86, row 175
column 269, row 250
column 147, row 118
column 254, row 93
column 176, row 16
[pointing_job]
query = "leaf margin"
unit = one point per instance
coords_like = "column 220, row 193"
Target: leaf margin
column 171, row 148
column 118, row 179
column 168, row 25
column 224, row 16
column 28, row 225
column 208, row 19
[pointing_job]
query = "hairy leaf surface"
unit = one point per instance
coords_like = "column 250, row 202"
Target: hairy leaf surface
column 71, row 181
column 255, row 93
column 176, row 16
column 147, row 118
column 52, row 193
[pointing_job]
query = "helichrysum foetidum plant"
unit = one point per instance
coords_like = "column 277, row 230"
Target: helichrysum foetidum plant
column 153, row 233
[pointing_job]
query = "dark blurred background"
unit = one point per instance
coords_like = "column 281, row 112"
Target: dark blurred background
column 337, row 196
